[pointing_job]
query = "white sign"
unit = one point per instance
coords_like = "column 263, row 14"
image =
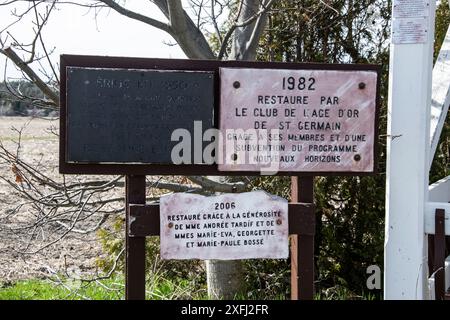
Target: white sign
column 411, row 8
column 225, row 227
column 406, row 31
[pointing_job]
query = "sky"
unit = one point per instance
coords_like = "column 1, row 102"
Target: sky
column 74, row 30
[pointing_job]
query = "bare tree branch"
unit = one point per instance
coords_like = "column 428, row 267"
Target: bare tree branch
column 260, row 23
column 46, row 53
column 136, row 16
column 215, row 186
column 181, row 28
column 176, row 15
column 186, row 33
column 214, row 21
column 247, row 29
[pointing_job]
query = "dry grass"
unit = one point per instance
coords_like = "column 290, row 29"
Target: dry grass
column 38, row 146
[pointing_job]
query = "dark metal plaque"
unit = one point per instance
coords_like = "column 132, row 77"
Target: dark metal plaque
column 129, row 115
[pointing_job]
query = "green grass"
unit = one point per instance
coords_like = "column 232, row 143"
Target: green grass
column 343, row 293
column 165, row 289
column 67, row 290
column 158, row 288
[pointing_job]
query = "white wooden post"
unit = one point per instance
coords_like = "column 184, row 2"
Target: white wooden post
column 408, row 150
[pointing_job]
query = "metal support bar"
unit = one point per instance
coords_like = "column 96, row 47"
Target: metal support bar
column 144, row 222
column 439, row 254
column 430, row 261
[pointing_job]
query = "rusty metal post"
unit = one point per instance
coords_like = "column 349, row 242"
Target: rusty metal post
column 134, row 246
column 439, row 254
column 302, row 246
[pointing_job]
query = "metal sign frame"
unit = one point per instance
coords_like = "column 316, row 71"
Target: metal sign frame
column 143, row 220
column 189, row 65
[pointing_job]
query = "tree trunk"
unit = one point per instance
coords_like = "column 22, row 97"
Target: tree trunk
column 225, row 279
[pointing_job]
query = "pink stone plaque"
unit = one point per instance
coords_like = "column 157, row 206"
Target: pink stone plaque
column 297, row 120
column 225, row 227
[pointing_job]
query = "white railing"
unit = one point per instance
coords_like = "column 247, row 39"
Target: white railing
column 440, row 191
column 439, row 197
column 440, row 98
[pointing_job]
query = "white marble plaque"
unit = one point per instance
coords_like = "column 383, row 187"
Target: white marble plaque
column 225, row 227
column 297, row 120
column 410, row 31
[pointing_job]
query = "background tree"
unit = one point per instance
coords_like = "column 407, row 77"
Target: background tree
column 240, row 41
column 350, row 210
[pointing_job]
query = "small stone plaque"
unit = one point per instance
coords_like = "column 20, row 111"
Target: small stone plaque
column 411, row 8
column 226, row 227
column 410, row 30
